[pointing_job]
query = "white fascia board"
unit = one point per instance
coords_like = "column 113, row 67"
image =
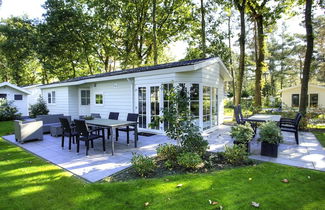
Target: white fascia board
column 123, row 76
column 14, row 87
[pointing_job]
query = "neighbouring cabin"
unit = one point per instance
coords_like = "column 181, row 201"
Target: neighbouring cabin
column 141, row 90
column 17, row 95
column 35, row 93
column 291, row 96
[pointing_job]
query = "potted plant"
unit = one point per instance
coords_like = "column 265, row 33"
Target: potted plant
column 270, row 136
column 242, row 134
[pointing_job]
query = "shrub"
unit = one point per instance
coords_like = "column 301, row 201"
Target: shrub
column 40, row 108
column 193, row 142
column 168, row 151
column 143, row 165
column 242, row 133
column 189, row 160
column 8, row 111
column 235, row 155
column 270, row 133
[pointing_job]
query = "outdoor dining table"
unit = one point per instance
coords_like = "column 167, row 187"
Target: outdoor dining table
column 112, row 124
column 264, row 118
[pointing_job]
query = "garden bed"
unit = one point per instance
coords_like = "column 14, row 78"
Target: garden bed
column 212, row 162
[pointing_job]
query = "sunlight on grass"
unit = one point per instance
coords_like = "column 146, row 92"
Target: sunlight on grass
column 27, row 190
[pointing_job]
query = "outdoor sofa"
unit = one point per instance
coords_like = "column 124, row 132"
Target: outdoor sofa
column 28, row 130
column 51, row 120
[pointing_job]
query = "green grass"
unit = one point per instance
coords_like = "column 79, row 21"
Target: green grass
column 28, row 182
column 320, row 136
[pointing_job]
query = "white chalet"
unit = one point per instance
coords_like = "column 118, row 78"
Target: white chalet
column 140, row 90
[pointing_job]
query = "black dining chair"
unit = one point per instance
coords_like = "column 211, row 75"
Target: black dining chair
column 131, row 117
column 67, row 131
column 95, row 115
column 112, row 116
column 84, row 134
column 291, row 125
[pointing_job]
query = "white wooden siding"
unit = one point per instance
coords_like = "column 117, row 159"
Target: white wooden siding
column 20, row 104
column 73, row 102
column 61, row 105
column 35, row 93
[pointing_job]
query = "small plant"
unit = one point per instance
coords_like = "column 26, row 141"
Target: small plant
column 143, row 164
column 194, row 142
column 270, row 133
column 190, row 160
column 88, row 118
column 40, row 108
column 242, row 133
column 168, row 151
column 235, row 155
column 8, row 111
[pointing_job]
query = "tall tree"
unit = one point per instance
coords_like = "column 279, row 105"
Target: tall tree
column 308, row 57
column 154, row 29
column 241, row 7
column 203, row 36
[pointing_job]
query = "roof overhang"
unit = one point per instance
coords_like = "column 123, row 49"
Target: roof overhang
column 298, row 86
column 193, row 67
column 14, row 87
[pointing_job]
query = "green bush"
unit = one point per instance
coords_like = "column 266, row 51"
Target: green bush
column 189, row 160
column 40, row 108
column 168, row 151
column 143, row 165
column 194, row 142
column 8, row 111
column 242, row 133
column 270, row 133
column 235, row 155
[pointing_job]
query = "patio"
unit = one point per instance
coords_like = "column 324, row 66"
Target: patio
column 309, row 154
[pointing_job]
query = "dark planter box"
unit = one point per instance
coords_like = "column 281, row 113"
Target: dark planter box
column 247, row 145
column 270, row 150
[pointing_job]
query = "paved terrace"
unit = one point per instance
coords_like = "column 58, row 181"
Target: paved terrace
column 96, row 166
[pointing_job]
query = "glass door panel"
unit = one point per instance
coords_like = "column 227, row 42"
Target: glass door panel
column 142, row 105
column 154, row 106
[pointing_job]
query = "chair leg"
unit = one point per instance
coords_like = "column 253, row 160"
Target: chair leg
column 78, row 144
column 116, row 134
column 87, row 147
column 69, row 142
column 127, row 135
column 92, row 143
column 297, row 137
column 62, row 140
column 104, row 148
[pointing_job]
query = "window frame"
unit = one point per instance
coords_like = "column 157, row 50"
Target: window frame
column 21, row 95
column 87, row 104
column 51, row 97
column 4, row 94
column 310, row 99
column 292, row 104
column 95, row 99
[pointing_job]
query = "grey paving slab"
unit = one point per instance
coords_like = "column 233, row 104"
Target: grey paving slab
column 98, row 165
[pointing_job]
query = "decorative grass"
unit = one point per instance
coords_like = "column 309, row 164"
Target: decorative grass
column 28, row 182
column 320, row 135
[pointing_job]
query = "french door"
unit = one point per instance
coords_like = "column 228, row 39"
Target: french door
column 149, row 106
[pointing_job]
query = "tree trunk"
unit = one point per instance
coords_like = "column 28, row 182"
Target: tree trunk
column 308, row 58
column 230, row 61
column 260, row 61
column 203, row 29
column 154, row 28
column 240, row 76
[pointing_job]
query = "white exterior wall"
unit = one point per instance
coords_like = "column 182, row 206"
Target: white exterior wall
column 61, row 105
column 20, row 104
column 73, row 102
column 35, row 93
column 117, row 97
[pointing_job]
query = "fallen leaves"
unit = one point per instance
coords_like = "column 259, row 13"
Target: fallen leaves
column 166, row 180
column 250, row 179
column 146, row 204
column 179, row 185
column 285, row 180
column 213, row 202
column 256, row 205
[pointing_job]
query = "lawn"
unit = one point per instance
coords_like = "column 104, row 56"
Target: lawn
column 28, row 182
column 320, row 136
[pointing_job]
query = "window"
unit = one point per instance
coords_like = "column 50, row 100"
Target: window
column 18, row 97
column 142, row 107
column 295, row 100
column 194, row 102
column 206, row 107
column 154, row 106
column 51, row 97
column 85, row 97
column 167, row 88
column 313, row 100
column 99, row 99
column 214, row 104
column 4, row 96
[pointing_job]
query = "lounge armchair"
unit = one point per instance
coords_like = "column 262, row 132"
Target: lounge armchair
column 28, row 130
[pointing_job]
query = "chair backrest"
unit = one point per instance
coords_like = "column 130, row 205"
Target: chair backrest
column 81, row 127
column 65, row 124
column 297, row 120
column 236, row 111
column 132, row 117
column 95, row 115
column 113, row 115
